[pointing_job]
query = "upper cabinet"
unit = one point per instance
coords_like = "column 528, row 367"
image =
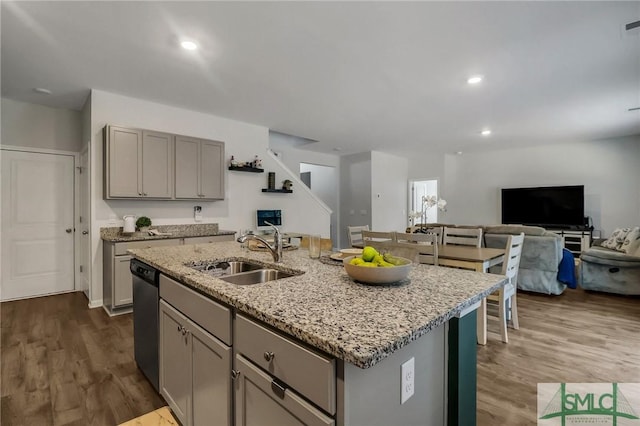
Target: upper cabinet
column 144, row 164
column 138, row 164
column 199, row 169
column 157, row 165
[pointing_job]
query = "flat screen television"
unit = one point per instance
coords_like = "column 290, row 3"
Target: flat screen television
column 549, row 207
column 272, row 216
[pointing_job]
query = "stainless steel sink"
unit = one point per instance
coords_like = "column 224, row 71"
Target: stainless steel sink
column 223, row 268
column 241, row 272
column 256, row 277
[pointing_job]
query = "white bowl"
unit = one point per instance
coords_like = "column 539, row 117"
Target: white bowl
column 379, row 275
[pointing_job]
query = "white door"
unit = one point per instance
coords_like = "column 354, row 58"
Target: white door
column 84, row 228
column 37, row 224
column 419, row 189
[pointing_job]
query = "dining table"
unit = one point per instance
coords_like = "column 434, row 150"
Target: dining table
column 479, row 259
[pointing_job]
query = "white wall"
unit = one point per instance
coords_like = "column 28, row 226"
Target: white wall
column 355, row 193
column 389, row 175
column 291, row 152
column 37, row 126
column 609, row 170
column 324, row 184
column 243, row 190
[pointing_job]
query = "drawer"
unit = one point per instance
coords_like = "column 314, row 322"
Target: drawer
column 121, row 248
column 311, row 374
column 210, row 239
column 208, row 314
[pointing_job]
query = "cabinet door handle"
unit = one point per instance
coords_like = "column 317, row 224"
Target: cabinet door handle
column 139, row 193
column 144, row 193
column 68, row 230
column 278, row 388
column 268, row 356
column 235, row 374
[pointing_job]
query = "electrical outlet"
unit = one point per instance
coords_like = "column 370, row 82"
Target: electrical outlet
column 197, row 213
column 406, row 380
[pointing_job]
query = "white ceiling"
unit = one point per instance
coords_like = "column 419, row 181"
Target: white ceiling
column 356, row 76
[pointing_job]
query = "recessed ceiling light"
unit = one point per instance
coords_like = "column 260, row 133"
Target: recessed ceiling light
column 42, row 91
column 188, row 45
column 337, row 149
column 459, row 153
column 485, row 132
column 475, row 79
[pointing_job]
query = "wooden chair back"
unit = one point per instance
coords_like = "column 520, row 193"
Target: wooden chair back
column 355, row 235
column 512, row 255
column 377, row 236
column 427, row 229
column 421, row 248
column 510, row 266
column 462, row 236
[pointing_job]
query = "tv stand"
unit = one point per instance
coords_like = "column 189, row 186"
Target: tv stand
column 576, row 239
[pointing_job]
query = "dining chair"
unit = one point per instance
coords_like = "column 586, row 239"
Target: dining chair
column 427, row 245
column 507, row 295
column 355, row 235
column 419, row 248
column 377, row 236
column 427, row 229
column 462, row 236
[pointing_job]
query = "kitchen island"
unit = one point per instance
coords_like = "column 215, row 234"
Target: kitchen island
column 367, row 332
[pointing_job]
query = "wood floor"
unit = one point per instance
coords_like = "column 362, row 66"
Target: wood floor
column 65, row 364
column 576, row 337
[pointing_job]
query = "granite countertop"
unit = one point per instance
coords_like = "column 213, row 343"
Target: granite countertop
column 323, row 307
column 114, row 234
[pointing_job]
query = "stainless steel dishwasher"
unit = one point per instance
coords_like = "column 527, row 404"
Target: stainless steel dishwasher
column 146, row 298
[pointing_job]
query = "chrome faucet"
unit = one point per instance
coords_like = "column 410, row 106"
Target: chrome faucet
column 275, row 249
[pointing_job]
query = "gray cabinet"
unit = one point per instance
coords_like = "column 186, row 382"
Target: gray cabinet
column 123, row 148
column 175, row 375
column 157, row 165
column 308, row 372
column 122, row 289
column 138, row 164
column 117, row 288
column 199, row 171
column 195, row 366
column 261, row 401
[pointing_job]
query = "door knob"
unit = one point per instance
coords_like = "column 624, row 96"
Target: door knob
column 68, row 230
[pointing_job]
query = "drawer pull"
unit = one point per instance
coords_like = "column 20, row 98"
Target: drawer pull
column 235, row 374
column 278, row 388
column 268, row 356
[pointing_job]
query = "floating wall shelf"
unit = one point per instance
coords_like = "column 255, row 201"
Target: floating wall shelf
column 284, row 191
column 246, row 169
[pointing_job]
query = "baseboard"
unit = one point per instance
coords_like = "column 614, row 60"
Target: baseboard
column 95, row 303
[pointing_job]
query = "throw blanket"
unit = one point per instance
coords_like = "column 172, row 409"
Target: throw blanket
column 567, row 269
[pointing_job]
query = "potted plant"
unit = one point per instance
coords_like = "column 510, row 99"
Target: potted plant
column 143, row 223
